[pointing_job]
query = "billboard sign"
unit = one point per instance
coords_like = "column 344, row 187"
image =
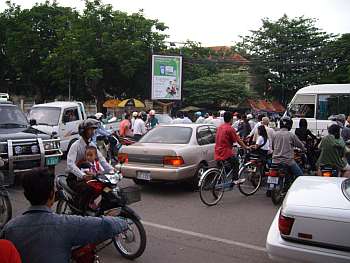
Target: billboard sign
column 166, row 77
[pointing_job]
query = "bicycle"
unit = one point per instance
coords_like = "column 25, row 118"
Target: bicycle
column 215, row 181
column 253, row 171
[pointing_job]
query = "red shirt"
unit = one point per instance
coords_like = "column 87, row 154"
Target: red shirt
column 8, row 252
column 226, row 136
column 124, row 128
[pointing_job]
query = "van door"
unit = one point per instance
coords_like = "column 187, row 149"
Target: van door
column 69, row 126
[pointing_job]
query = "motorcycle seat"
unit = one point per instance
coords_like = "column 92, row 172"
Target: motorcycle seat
column 62, row 181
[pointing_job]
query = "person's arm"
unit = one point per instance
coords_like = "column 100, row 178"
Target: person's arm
column 86, row 230
column 313, row 136
column 236, row 138
column 71, row 162
column 297, row 143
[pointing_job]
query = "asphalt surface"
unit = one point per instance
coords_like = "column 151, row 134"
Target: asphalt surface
column 182, row 229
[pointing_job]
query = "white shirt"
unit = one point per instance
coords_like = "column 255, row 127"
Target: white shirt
column 260, row 141
column 178, row 121
column 217, row 122
column 208, row 120
column 200, row 120
column 255, row 129
column 139, row 127
column 186, row 120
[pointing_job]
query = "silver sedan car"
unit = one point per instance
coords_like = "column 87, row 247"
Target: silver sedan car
column 170, row 153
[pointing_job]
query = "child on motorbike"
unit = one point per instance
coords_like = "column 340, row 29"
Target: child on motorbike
column 91, row 163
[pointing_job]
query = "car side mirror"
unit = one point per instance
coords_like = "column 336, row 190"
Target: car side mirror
column 32, row 122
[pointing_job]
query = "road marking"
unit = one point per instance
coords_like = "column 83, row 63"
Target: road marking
column 203, row 236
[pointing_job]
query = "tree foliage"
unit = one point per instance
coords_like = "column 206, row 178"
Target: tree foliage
column 288, row 53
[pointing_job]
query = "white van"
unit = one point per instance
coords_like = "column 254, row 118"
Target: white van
column 4, row 97
column 317, row 103
column 62, row 118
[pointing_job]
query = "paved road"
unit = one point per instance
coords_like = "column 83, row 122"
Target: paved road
column 181, row 229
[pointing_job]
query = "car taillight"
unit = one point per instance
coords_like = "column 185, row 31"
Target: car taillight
column 173, row 160
column 327, row 173
column 123, row 157
column 285, row 224
column 273, row 173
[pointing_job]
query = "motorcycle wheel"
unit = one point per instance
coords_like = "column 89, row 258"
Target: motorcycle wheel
column 5, row 209
column 277, row 195
column 63, row 208
column 123, row 241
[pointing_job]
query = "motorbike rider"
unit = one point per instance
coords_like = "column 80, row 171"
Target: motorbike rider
column 333, row 151
column 283, row 143
column 226, row 136
column 42, row 236
column 77, row 178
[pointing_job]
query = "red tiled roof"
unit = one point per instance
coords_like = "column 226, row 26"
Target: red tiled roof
column 227, row 54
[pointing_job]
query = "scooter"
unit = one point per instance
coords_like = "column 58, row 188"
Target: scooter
column 114, row 201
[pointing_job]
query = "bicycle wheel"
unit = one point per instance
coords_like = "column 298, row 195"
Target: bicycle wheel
column 253, row 178
column 211, row 188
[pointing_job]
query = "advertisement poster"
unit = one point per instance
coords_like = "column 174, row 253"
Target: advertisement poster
column 166, row 77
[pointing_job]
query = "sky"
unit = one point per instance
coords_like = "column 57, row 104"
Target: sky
column 221, row 22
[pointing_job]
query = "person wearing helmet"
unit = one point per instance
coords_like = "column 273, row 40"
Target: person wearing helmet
column 333, row 151
column 140, row 126
column 200, row 118
column 283, row 143
column 77, row 178
column 152, row 120
column 99, row 116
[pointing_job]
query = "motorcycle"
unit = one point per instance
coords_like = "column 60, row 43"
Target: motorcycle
column 113, row 201
column 280, row 178
column 109, row 146
column 5, row 203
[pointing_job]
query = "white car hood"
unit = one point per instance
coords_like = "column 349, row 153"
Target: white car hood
column 317, row 197
column 46, row 129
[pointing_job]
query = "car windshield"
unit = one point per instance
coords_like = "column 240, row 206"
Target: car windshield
column 45, row 115
column 346, row 188
column 168, row 135
column 12, row 117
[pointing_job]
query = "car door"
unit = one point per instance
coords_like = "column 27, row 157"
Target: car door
column 206, row 142
column 69, row 123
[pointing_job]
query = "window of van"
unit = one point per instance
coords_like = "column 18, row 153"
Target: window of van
column 303, row 107
column 70, row 115
column 332, row 104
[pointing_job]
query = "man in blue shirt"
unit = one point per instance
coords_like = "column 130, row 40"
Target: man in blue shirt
column 42, row 236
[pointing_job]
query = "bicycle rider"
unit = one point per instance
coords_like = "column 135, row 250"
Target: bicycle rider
column 226, row 137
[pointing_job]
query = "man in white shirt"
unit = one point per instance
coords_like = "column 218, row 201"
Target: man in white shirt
column 200, row 118
column 209, row 119
column 139, row 127
column 217, row 121
column 179, row 118
column 255, row 129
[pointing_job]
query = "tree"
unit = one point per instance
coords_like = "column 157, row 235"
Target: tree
column 222, row 89
column 30, row 38
column 339, row 53
column 289, row 54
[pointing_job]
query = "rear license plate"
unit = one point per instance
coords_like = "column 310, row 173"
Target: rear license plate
column 143, row 175
column 52, row 161
column 272, row 180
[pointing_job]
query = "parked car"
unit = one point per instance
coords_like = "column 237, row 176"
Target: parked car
column 170, row 153
column 313, row 224
column 21, row 146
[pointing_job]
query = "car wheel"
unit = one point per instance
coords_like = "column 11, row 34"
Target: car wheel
column 197, row 176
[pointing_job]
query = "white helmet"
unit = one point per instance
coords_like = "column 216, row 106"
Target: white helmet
column 99, row 115
column 249, row 116
column 222, row 112
column 134, row 114
column 152, row 112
